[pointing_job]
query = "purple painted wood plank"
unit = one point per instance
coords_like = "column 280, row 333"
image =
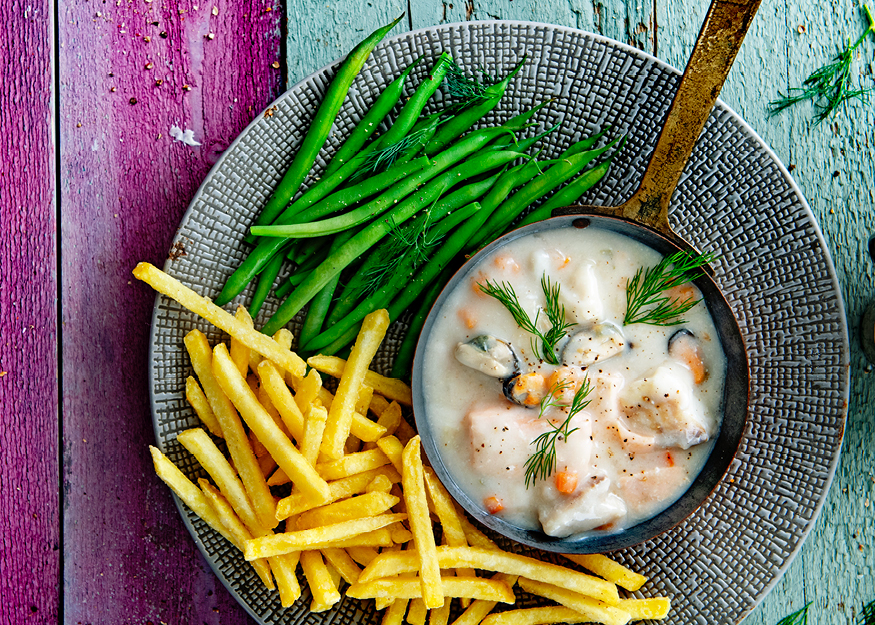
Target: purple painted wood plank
column 29, row 539
column 129, row 73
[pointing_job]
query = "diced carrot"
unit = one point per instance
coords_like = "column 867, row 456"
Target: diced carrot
column 564, row 262
column 476, row 282
column 566, row 482
column 493, row 505
column 468, row 317
column 506, row 263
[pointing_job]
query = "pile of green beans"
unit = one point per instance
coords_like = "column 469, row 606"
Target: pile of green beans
column 395, row 212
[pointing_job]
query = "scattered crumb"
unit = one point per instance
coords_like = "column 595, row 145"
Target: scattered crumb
column 177, row 251
column 215, row 10
column 791, row 167
column 275, row 65
column 3, row 373
column 800, row 29
column 184, row 136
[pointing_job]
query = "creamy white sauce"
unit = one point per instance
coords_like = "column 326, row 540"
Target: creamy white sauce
column 649, row 427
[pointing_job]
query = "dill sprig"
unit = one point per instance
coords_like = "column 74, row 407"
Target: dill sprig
column 799, row 617
column 416, row 243
column 645, row 302
column 463, row 88
column 546, row 350
column 383, row 158
column 541, row 464
column 828, row 87
column 867, row 615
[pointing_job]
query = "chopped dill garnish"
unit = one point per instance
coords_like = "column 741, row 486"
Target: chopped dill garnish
column 799, row 617
column 867, row 614
column 546, row 351
column 416, row 243
column 542, row 462
column 463, row 88
column 383, row 158
column 828, row 87
column 645, row 302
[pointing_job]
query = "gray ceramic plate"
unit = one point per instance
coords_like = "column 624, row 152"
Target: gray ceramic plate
column 734, row 198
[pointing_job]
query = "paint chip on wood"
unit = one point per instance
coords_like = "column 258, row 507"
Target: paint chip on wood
column 183, row 136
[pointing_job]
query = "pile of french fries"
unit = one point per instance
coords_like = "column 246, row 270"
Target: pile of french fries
column 362, row 505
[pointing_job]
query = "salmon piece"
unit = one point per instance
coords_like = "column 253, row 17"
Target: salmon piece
column 646, row 492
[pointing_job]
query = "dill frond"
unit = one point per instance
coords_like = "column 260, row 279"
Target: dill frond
column 799, row 617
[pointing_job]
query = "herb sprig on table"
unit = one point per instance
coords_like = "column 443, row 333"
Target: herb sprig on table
column 828, row 87
column 546, row 351
column 646, row 301
column 542, row 462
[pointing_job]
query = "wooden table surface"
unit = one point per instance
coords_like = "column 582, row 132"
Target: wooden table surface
column 92, row 182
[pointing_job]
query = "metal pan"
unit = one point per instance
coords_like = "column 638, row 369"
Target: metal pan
column 643, row 217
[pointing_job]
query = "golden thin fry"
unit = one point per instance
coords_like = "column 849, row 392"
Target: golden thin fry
column 314, row 429
column 267, row 465
column 364, row 399
column 411, row 588
column 195, row 396
column 596, row 610
column 440, row 616
column 454, row 534
column 399, row 563
column 266, row 402
column 342, row 408
column 377, row 538
column 236, row 528
column 401, row 535
column 612, row 571
column 211, row 459
column 220, row 318
column 339, row 489
column 241, row 452
column 474, row 536
column 352, row 445
column 417, row 612
column 478, row 610
column 381, row 484
column 309, row 391
column 540, row 616
column 378, row 405
column 324, row 591
column 275, row 387
column 361, row 427
column 369, row 504
column 239, row 351
column 190, row 494
column 393, row 449
column 395, row 613
column 308, row 539
column 413, row 484
column 284, row 338
column 404, row 432
column 362, row 555
column 343, row 563
column 283, row 568
column 352, row 464
column 390, row 388
column 654, row 608
column 286, row 455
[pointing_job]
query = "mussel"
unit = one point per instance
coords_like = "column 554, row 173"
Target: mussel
column 490, row 355
column 595, row 343
column 685, row 347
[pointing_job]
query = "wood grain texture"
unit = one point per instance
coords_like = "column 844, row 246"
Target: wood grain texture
column 129, row 71
column 29, row 469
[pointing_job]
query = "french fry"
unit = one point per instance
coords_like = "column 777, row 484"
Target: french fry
column 378, row 405
column 474, row 536
column 367, row 505
column 352, row 445
column 381, row 484
column 267, row 465
column 267, row 546
column 390, row 388
column 654, row 608
column 284, row 339
column 190, row 494
column 400, row 535
column 454, row 534
column 393, row 449
column 416, row 611
column 352, row 464
column 404, row 432
column 195, row 396
column 211, row 459
column 275, row 386
column 236, row 528
column 283, row 568
column 239, row 351
column 612, row 571
column 339, row 489
column 324, row 591
column 364, row 399
column 399, row 563
column 342, row 408
column 314, row 429
column 395, row 613
column 441, row 615
column 344, row 564
column 222, row 319
column 539, row 616
column 266, row 403
column 478, row 610
column 363, row 555
column 361, row 427
column 411, row 588
column 241, row 452
column 596, row 610
column 390, row 418
column 308, row 391
column 413, row 483
column 377, row 538
column 279, row 445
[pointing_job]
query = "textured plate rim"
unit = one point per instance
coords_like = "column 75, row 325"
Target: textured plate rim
column 743, row 126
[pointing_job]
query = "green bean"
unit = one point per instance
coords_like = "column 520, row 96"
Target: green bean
column 407, row 349
column 321, row 125
column 465, row 119
column 376, row 230
column 265, row 282
column 383, row 105
column 309, row 247
column 358, row 285
column 344, row 331
column 267, row 247
column 319, row 305
column 569, row 194
column 368, row 211
column 567, row 167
